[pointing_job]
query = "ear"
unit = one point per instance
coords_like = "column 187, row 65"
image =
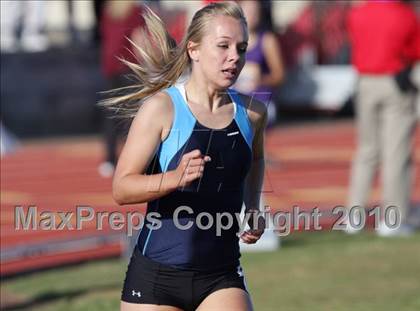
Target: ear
column 193, row 51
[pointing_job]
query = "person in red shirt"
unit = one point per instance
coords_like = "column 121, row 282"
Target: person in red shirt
column 384, row 37
column 119, row 21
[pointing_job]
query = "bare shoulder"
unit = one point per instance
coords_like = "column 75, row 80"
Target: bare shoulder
column 157, row 108
column 257, row 111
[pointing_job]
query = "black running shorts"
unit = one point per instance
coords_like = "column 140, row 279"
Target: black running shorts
column 150, row 282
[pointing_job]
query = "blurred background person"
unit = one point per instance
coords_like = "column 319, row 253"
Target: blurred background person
column 263, row 71
column 98, row 8
column 8, row 141
column 76, row 24
column 27, row 16
column 119, row 21
column 384, row 39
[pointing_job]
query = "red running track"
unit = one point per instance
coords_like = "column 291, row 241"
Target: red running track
column 307, row 166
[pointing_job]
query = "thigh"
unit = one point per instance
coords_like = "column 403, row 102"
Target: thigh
column 126, row 306
column 149, row 285
column 368, row 101
column 233, row 299
column 399, row 123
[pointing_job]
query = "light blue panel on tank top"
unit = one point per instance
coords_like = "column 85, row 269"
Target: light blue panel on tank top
column 182, row 127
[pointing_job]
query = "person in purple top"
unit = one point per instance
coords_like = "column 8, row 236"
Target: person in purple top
column 263, row 71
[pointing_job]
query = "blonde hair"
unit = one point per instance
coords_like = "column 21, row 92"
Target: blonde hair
column 161, row 62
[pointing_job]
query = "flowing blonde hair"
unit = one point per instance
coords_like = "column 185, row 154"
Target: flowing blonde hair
column 161, row 61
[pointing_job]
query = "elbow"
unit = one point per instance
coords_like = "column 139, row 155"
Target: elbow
column 123, row 194
column 275, row 79
column 118, row 193
column 123, row 199
column 118, row 196
column 279, row 77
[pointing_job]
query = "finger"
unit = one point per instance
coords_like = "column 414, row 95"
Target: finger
column 196, row 162
column 189, row 165
column 193, row 154
column 196, row 155
column 255, row 235
column 193, row 175
column 185, row 162
column 202, row 159
column 247, row 240
column 251, row 240
column 200, row 162
column 257, row 232
column 251, row 237
column 194, row 170
column 191, row 162
column 246, row 237
column 191, row 178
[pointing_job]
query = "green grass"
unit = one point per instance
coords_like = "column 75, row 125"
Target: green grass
column 311, row 271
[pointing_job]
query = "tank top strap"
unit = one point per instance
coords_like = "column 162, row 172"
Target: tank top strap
column 241, row 118
column 182, row 127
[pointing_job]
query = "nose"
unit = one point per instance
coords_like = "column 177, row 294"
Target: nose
column 234, row 55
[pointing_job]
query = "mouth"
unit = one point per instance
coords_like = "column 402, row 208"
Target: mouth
column 230, row 73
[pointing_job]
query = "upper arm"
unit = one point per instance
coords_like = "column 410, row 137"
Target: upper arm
column 257, row 113
column 145, row 135
column 272, row 53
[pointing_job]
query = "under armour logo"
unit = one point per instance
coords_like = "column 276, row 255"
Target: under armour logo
column 134, row 293
column 240, row 272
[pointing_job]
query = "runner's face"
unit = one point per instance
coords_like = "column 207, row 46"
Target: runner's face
column 221, row 54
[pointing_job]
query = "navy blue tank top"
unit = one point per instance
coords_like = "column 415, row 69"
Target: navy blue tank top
column 220, row 190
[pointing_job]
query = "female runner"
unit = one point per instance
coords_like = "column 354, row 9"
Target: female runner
column 195, row 147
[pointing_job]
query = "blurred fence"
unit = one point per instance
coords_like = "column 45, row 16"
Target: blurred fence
column 50, row 93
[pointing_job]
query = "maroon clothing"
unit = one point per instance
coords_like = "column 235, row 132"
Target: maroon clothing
column 384, row 37
column 114, row 40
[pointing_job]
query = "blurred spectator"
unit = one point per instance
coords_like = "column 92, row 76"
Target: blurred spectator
column 27, row 16
column 263, row 71
column 207, row 2
column 318, row 35
column 331, row 32
column 76, row 24
column 385, row 43
column 98, row 6
column 119, row 21
column 174, row 17
column 8, row 141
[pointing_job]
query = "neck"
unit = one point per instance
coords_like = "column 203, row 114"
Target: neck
column 201, row 93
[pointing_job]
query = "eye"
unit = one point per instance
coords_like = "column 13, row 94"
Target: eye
column 223, row 46
column 242, row 50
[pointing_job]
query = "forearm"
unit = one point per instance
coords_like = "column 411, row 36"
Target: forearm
column 271, row 80
column 137, row 188
column 253, row 185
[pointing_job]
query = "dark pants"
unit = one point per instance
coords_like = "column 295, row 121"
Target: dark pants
column 114, row 127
